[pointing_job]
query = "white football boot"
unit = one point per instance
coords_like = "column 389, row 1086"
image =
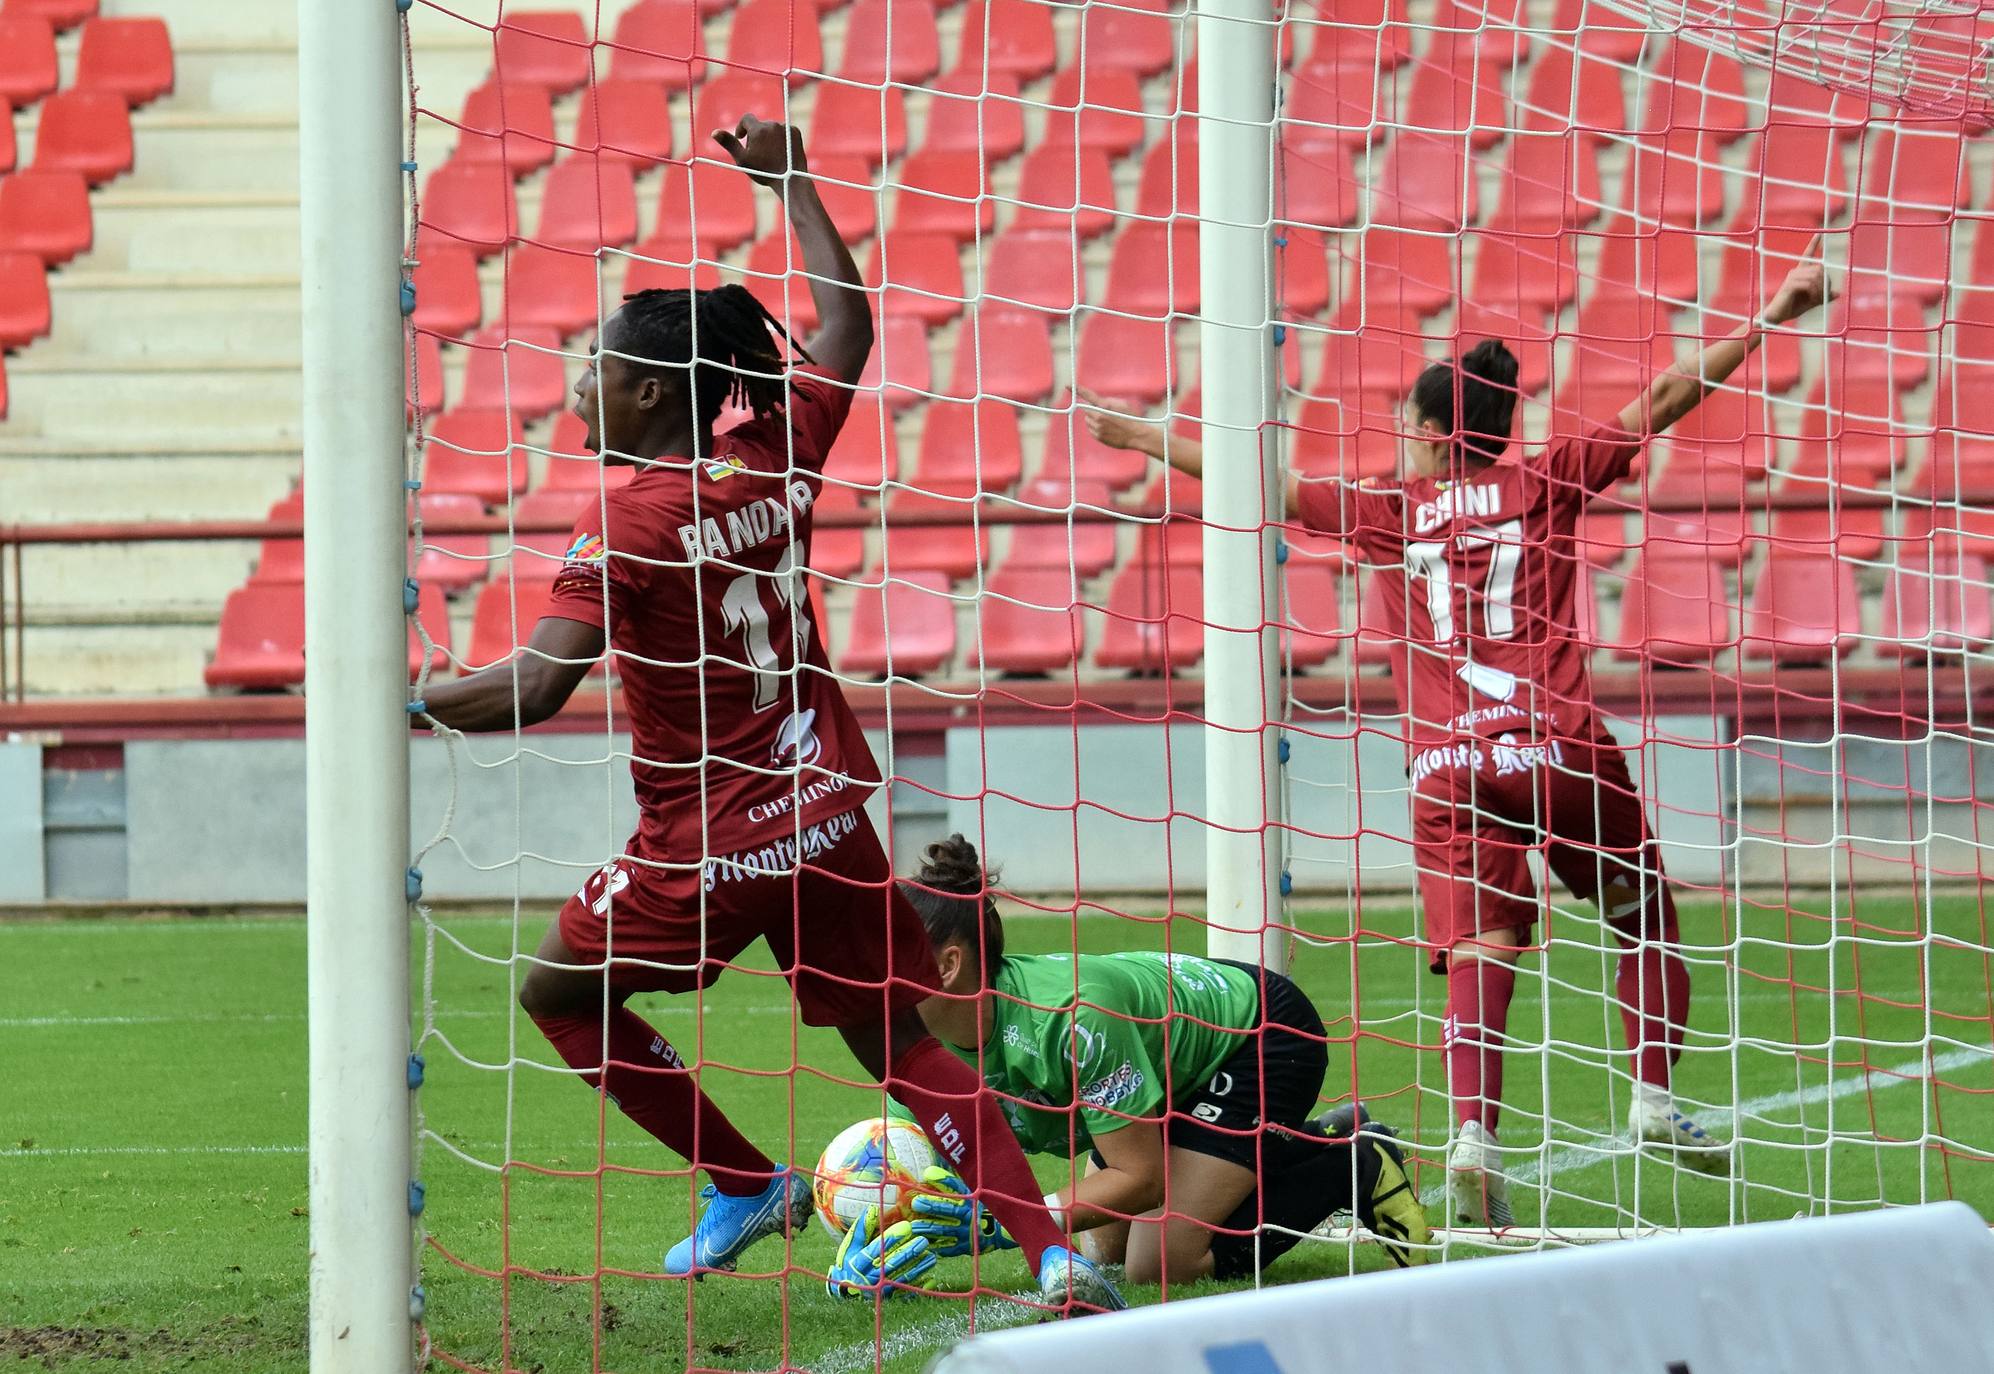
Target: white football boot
column 1479, row 1192
column 1654, row 1120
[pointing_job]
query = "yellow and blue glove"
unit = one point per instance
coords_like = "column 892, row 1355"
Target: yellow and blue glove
column 951, row 1221
column 876, row 1262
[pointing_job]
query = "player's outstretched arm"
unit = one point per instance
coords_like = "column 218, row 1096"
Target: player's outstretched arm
column 773, row 155
column 1117, row 430
column 1129, row 1184
column 525, row 692
column 1682, row 388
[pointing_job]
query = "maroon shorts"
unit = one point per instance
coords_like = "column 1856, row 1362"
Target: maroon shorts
column 852, row 947
column 1481, row 804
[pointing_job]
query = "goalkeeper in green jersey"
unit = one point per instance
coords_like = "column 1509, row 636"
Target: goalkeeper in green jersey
column 1186, row 1083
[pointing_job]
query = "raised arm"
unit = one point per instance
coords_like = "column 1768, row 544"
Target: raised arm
column 773, row 155
column 525, row 692
column 1118, row 430
column 1682, row 388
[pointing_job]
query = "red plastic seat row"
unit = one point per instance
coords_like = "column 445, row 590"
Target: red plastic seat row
column 130, row 57
column 46, row 214
column 88, row 132
column 24, row 299
column 62, row 14
column 260, row 643
column 27, row 58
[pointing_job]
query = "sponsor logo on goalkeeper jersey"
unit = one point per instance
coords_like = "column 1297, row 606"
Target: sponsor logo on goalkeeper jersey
column 782, row 855
column 1019, row 1041
column 1111, row 1088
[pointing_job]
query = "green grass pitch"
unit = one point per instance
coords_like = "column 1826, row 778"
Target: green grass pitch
column 152, row 1119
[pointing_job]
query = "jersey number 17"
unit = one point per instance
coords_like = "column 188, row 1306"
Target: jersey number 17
column 1429, row 563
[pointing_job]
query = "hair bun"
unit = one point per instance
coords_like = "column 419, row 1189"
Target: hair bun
column 952, row 865
column 1492, row 362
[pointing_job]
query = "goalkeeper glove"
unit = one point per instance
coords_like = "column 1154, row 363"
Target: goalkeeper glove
column 872, row 1261
column 952, row 1222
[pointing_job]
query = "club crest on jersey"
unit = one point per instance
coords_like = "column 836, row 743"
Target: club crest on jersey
column 796, row 742
column 720, row 469
column 587, row 548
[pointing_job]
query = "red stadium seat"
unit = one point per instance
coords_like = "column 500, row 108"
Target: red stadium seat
column 588, row 203
column 10, row 152
column 1697, row 92
column 1845, row 532
column 1675, row 179
column 1126, row 356
column 849, row 188
column 1525, row 331
column 921, row 276
column 776, row 36
column 667, row 262
column 866, row 452
column 1028, row 623
column 626, row 120
column 1098, row 105
column 1795, row 176
column 1375, row 34
column 1936, row 603
column 1404, row 273
column 451, row 562
column 1550, row 182
column 1892, row 253
column 968, row 112
column 1918, row 170
column 1003, row 352
column 970, row 443
column 46, row 214
column 260, row 644
column 1311, row 610
column 549, row 288
column 509, row 123
column 954, row 538
column 1674, row 611
column 87, row 132
column 1534, row 272
column 1962, row 456
column 1154, row 620
column 1455, row 90
column 1155, row 271
column 1301, row 266
column 1073, row 454
column 1037, row 268
column 1064, row 189
column 550, row 48
column 24, row 302
column 426, row 390
column 1334, row 437
column 572, row 468
column 1877, row 338
column 1121, row 35
column 903, row 629
column 708, row 202
column 776, row 276
column 1647, row 260
column 27, row 58
column 900, row 368
column 508, row 609
column 524, row 371
column 1852, row 432
column 738, row 91
column 62, row 14
column 1426, row 184
column 891, row 41
column 1331, row 107
column 866, row 123
column 470, row 204
column 1169, row 183
column 1013, row 37
column 132, row 58
column 1372, row 354
column 448, row 298
column 282, row 559
column 838, row 550
column 1320, row 187
column 659, row 44
column 475, row 452
column 1803, row 609
column 1573, row 85
column 1622, row 345
column 944, row 193
column 1085, row 545
column 1616, row 36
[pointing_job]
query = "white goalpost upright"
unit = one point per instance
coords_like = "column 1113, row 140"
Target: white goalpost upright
column 1236, row 42
column 356, row 680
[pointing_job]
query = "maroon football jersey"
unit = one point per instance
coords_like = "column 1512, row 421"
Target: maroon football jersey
column 738, row 730
column 1479, row 577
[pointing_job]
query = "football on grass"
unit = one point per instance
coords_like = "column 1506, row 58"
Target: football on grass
column 876, row 1163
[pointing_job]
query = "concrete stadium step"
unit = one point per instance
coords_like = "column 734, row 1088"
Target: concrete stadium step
column 77, row 584
column 135, row 314
column 106, row 660
column 150, row 231
column 65, row 486
column 68, row 396
column 201, row 151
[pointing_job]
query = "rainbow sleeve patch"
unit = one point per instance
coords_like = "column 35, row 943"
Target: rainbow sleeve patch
column 587, row 548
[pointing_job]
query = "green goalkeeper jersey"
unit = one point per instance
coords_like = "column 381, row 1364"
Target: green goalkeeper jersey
column 1086, row 1043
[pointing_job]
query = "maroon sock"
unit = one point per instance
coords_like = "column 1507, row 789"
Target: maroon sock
column 1478, row 993
column 964, row 1121
column 1653, row 987
column 648, row 1080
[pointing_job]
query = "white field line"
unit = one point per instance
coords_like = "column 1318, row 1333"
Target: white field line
column 940, row 1332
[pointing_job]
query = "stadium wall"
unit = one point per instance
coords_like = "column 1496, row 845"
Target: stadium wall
column 187, row 822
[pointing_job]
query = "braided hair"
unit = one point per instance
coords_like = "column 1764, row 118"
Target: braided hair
column 952, row 894
column 739, row 359
column 1473, row 403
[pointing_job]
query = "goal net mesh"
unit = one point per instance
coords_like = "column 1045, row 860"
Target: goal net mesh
column 1788, row 602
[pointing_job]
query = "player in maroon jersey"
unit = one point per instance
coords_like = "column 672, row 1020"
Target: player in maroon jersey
column 750, row 769
column 1506, row 751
